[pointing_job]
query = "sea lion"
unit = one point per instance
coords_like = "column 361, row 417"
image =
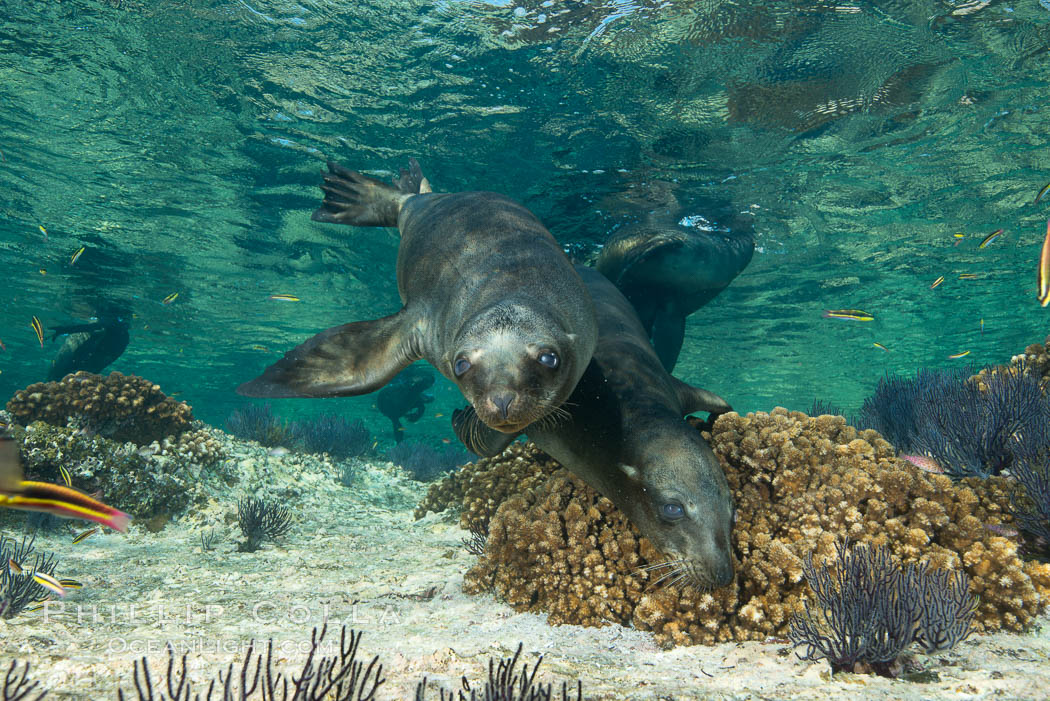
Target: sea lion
column 490, row 300
column 405, row 398
column 91, row 346
column 627, row 438
column 668, row 271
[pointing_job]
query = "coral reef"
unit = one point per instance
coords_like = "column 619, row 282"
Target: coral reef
column 257, row 422
column 480, row 487
column 19, row 589
column 339, row 677
column 505, row 684
column 424, row 463
column 1030, row 503
column 332, row 434
column 201, row 446
column 118, row 407
column 260, row 520
column 1035, row 360
column 868, row 611
column 800, row 484
column 968, row 425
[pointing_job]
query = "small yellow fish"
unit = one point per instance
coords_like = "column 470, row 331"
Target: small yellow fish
column 937, row 282
column 438, row 415
column 70, row 584
column 39, row 330
column 991, row 237
column 66, row 477
column 14, row 567
column 959, row 236
column 879, row 345
column 257, row 347
column 967, row 276
column 982, row 320
column 854, row 314
column 1043, row 272
column 85, row 535
column 284, row 298
column 43, row 230
column 1042, row 193
column 33, row 607
column 49, row 582
column 42, row 271
column 955, row 356
column 76, row 256
column 170, row 298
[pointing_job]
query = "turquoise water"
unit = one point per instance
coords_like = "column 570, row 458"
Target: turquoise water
column 180, row 144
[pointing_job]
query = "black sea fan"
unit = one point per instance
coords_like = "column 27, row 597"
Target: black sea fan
column 506, row 683
column 1030, row 503
column 425, row 463
column 259, row 520
column 257, row 422
column 868, row 611
column 16, row 685
column 18, row 590
column 332, row 434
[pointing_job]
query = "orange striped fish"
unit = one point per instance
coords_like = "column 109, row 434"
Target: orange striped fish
column 937, row 282
column 991, row 237
column 17, row 493
column 956, row 356
column 1044, row 270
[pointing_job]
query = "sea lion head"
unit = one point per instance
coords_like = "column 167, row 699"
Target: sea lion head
column 515, row 366
column 678, row 496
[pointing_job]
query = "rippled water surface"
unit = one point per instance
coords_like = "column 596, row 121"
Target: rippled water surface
column 180, row 144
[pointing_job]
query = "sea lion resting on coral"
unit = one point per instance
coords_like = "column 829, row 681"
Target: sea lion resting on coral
column 626, row 437
column 668, row 271
column 490, row 300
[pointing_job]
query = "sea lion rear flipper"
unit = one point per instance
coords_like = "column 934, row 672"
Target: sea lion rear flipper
column 342, row 361
column 694, row 399
column 358, row 200
column 667, row 335
column 476, row 436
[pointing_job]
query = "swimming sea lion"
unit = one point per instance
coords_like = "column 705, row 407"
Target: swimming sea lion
column 668, row 271
column 627, row 438
column 405, row 398
column 91, row 346
column 490, row 300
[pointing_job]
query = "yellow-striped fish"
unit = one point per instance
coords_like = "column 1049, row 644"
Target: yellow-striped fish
column 937, row 282
column 39, row 329
column 42, row 230
column 991, row 237
column 14, row 567
column 982, row 320
column 85, row 535
column 1043, row 274
column 967, row 276
column 854, row 314
column 879, row 345
column 170, row 298
column 956, row 356
column 1042, row 193
column 48, row 582
column 284, row 298
column 66, row 477
column 42, row 271
column 70, row 584
column 958, row 236
column 76, row 256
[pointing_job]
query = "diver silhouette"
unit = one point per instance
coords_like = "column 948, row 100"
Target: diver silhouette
column 91, row 346
column 405, row 397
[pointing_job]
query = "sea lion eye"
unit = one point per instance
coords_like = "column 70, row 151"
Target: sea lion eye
column 548, row 358
column 672, row 511
column 461, row 366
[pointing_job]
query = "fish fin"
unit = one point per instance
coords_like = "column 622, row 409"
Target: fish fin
column 667, row 335
column 10, row 463
column 358, row 200
column 693, row 399
column 479, row 439
column 343, row 361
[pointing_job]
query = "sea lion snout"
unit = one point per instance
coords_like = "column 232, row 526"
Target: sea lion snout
column 501, row 403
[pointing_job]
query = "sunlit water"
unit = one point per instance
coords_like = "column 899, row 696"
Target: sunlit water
column 180, row 143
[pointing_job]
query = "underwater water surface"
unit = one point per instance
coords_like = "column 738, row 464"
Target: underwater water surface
column 180, row 145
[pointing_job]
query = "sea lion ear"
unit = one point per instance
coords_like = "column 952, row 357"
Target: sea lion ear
column 481, row 440
column 693, row 399
column 342, row 361
column 631, row 471
column 424, row 187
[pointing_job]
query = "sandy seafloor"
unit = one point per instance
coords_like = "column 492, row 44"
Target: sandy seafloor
column 359, row 554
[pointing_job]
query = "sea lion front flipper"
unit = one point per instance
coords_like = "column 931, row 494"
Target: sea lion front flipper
column 693, row 399
column 668, row 334
column 476, row 436
column 342, row 361
column 358, row 200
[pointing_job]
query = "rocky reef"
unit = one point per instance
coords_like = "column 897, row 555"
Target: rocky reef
column 801, row 484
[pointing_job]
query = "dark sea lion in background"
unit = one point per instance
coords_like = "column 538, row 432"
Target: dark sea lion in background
column 490, row 300
column 92, row 346
column 627, row 438
column 668, row 271
column 405, row 398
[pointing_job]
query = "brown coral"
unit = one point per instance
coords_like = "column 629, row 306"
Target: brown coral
column 801, row 484
column 119, row 407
